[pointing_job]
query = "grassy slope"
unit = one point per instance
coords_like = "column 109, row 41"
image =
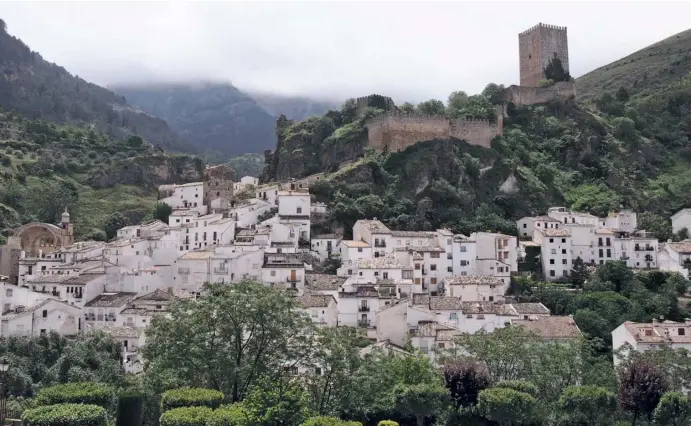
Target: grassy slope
column 654, row 66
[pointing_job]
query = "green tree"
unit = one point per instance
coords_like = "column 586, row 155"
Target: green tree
column 407, row 108
column 465, row 379
column 275, row 402
column 114, row 222
column 162, row 211
column 506, row 406
column 623, row 94
column 457, row 100
column 337, row 356
column 228, row 338
column 421, row 401
column 625, row 129
column 135, row 141
column 674, row 409
column 641, row 385
column 588, row 405
column 129, row 409
column 659, row 226
column 431, row 107
column 370, row 206
column 555, row 71
column 494, row 92
column 579, row 272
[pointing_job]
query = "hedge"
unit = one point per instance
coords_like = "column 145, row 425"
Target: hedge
column 518, row 385
column 191, row 397
column 129, row 410
column 387, row 423
column 229, row 415
column 76, row 393
column 65, row 415
column 327, row 421
column 186, row 416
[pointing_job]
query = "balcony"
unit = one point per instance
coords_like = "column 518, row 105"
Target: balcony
column 381, row 244
column 363, row 308
column 220, row 271
column 293, row 279
column 363, row 323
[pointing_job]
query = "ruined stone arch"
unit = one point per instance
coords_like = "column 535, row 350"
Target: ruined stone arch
column 37, row 237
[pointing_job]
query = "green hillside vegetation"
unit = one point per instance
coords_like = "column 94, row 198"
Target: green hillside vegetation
column 45, row 168
column 654, row 66
column 247, row 165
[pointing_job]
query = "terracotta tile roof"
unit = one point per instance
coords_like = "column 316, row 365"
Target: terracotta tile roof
column 551, row 328
column 315, row 300
column 15, row 314
column 323, row 281
column 434, row 329
column 530, row 308
column 374, row 226
column 383, row 262
column 659, row 333
column 437, row 303
column 111, row 300
column 683, row 247
column 354, row 244
column 360, row 291
column 122, row 331
column 473, row 280
column 558, row 232
column 544, row 219
column 488, row 308
column 413, row 234
column 327, row 237
column 156, row 296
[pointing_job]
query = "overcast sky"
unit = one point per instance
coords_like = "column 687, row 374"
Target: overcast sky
column 411, row 51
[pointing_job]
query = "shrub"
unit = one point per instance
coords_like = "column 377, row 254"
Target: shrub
column 518, row 385
column 65, row 415
column 186, row 416
column 335, row 421
column 76, row 393
column 229, row 415
column 546, row 83
column 387, row 423
column 191, row 397
column 129, row 411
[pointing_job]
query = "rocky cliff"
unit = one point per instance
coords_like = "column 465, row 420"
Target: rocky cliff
column 150, row 171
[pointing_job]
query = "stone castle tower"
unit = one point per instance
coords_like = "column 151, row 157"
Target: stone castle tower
column 537, row 46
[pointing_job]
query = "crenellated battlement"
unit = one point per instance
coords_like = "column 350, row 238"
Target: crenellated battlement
column 541, row 25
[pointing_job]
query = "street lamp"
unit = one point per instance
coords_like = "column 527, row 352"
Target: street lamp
column 4, row 366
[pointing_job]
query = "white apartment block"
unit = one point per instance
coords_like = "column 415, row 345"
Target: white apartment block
column 41, row 318
column 374, row 233
column 325, row 245
column 555, row 252
column 676, row 257
column 352, row 250
column 641, row 337
column 186, row 196
column 321, row 308
column 285, row 271
column 227, row 264
column 475, row 288
column 681, row 220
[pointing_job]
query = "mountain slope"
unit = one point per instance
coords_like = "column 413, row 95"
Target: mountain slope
column 293, row 107
column 652, row 67
column 39, row 89
column 219, row 119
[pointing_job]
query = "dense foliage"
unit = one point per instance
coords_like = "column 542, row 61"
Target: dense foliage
column 186, row 416
column 65, row 415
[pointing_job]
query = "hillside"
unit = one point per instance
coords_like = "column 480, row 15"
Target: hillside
column 652, row 67
column 293, row 107
column 45, row 167
column 39, row 89
column 632, row 151
column 218, row 119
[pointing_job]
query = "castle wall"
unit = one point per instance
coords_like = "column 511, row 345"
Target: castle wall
column 537, row 46
column 524, row 95
column 398, row 132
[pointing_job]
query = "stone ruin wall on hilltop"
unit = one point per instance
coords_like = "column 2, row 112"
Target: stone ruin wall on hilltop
column 524, row 95
column 396, row 132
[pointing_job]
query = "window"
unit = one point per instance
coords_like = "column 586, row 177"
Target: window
column 454, row 317
column 563, row 251
column 434, row 255
column 563, row 240
column 551, row 240
column 273, row 273
column 491, row 298
column 449, row 256
column 299, row 210
column 525, row 225
column 417, row 281
column 463, row 249
column 554, row 251
column 448, row 241
column 551, row 261
column 563, row 261
column 600, row 252
column 318, row 371
column 433, row 280
column 359, row 250
column 440, row 345
column 360, row 273
column 464, row 263
column 449, row 269
column 350, row 272
column 8, row 292
column 45, row 313
column 551, row 273
column 681, row 332
column 565, row 273
column 464, row 273
column 386, row 275
column 609, row 252
column 417, row 266
column 433, row 267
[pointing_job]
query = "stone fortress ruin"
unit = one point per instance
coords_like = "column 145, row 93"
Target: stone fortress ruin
column 395, row 131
